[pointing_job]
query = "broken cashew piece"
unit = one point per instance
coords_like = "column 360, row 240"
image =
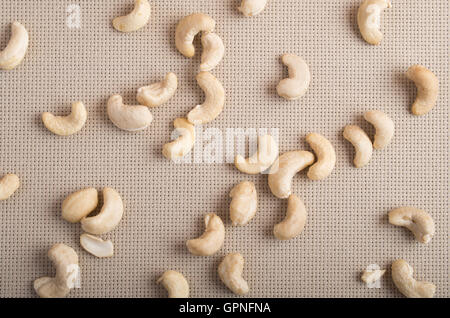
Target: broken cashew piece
column 363, row 146
column 262, row 159
column 294, row 222
column 187, row 29
column 79, row 204
column 184, row 143
column 66, row 125
column 8, row 185
column 326, row 156
column 419, row 222
column 128, row 117
column 371, row 276
column 175, row 284
column 136, row 19
column 230, row 272
column 295, row 86
column 369, row 16
column 244, row 203
column 402, row 275
column 96, row 246
column 211, row 240
column 250, row 8
column 158, row 93
column 384, row 127
column 427, row 89
column 13, row 54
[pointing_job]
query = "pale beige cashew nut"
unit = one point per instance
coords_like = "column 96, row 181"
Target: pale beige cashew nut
column 284, row 169
column 187, row 29
column 8, row 185
column 402, row 275
column 158, row 93
column 13, row 54
column 96, row 246
column 136, row 19
column 128, row 117
column 214, row 101
column 297, row 83
column 371, row 276
column 244, row 203
column 175, row 284
column 66, row 125
column 184, row 143
column 262, row 159
column 326, row 156
column 419, row 222
column 213, row 51
column 211, row 240
column 79, row 204
column 369, row 16
column 250, row 8
column 230, row 273
column 109, row 216
column 384, row 128
column 427, row 89
column 363, row 146
column 294, row 222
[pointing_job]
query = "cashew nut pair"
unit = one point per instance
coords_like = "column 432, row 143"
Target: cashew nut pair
column 369, row 18
column 128, row 117
column 13, row 54
column 262, row 159
column 419, row 222
column 66, row 125
column 402, row 275
column 8, row 185
column 136, row 19
column 427, row 89
column 175, row 284
column 295, row 86
column 244, row 203
column 230, row 273
column 250, row 8
column 211, row 240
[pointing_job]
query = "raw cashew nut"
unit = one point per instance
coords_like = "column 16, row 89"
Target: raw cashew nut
column 211, row 240
column 66, row 125
column 417, row 221
column 109, row 216
column 8, row 185
column 262, row 159
column 158, row 93
column 369, row 19
column 184, row 143
column 13, row 54
column 295, row 86
column 128, row 117
column 175, row 283
column 244, row 203
column 402, row 275
column 326, row 157
column 384, row 127
column 371, row 276
column 96, row 246
column 230, row 272
column 284, row 169
column 427, row 89
column 251, row 8
column 79, row 204
column 213, row 104
column 294, row 222
column 363, row 146
column 187, row 29
column 136, row 19
column 213, row 50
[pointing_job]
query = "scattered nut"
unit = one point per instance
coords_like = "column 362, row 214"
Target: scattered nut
column 362, row 144
column 326, row 157
column 96, row 246
column 384, row 127
column 79, row 204
column 244, row 203
column 175, row 283
column 402, row 275
column 127, row 117
column 13, row 54
column 8, row 185
column 158, row 93
column 295, row 86
column 427, row 89
column 66, row 125
column 136, row 19
column 213, row 50
column 294, row 222
column 250, row 8
column 187, row 29
column 230, row 272
column 262, row 159
column 211, row 240
column 369, row 20
column 417, row 221
column 184, row 143
column 371, row 276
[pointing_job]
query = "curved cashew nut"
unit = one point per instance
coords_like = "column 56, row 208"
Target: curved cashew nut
column 8, row 185
column 79, row 204
column 402, row 275
column 158, row 93
column 211, row 240
column 362, row 144
column 66, row 125
column 230, row 273
column 175, row 283
column 294, row 222
column 369, row 19
column 284, row 169
column 109, row 216
column 128, row 117
column 134, row 20
column 96, row 246
column 427, row 89
column 417, row 221
column 371, row 276
column 13, row 54
column 213, row 104
column 295, row 86
column 384, row 127
column 251, row 8
column 187, row 29
column 184, row 143
column 326, row 157
column 244, row 203
column 262, row 159
column 213, row 50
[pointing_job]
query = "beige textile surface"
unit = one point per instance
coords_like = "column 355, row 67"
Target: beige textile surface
column 347, row 227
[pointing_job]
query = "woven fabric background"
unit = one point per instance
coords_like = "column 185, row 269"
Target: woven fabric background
column 347, row 227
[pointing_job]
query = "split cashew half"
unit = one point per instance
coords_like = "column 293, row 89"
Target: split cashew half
column 175, row 284
column 211, row 240
column 128, row 117
column 79, row 204
column 369, row 18
column 8, row 185
column 295, row 86
column 230, row 272
column 326, row 156
column 384, row 127
column 213, row 50
column 262, row 159
column 402, row 275
column 13, row 54
column 419, row 222
column 136, row 19
column 158, row 93
column 184, row 143
column 244, row 203
column 363, row 146
column 427, row 89
column 250, row 8
column 96, row 246
column 371, row 276
column 66, row 125
column 294, row 222
column 187, row 29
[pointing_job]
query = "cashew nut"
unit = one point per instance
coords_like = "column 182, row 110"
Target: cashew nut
column 369, row 19
column 175, row 283
column 213, row 104
column 371, row 276
column 213, row 50
column 158, row 93
column 384, row 127
column 251, row 8
column 230, row 272
column 427, row 89
column 79, row 204
column 402, row 275
column 211, row 240
column 13, row 54
column 362, row 144
column 262, row 159
column 326, row 157
column 284, row 169
column 187, row 29
column 96, row 246
column 294, row 222
column 109, row 216
column 295, row 86
column 8, row 185
column 244, row 203
column 66, row 125
column 128, row 117
column 184, row 143
column 136, row 19
column 417, row 221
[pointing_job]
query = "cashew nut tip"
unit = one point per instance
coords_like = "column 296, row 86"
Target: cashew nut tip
column 66, row 125
column 250, row 8
column 261, row 160
column 214, row 101
column 363, row 146
column 184, row 143
column 187, row 29
column 136, row 19
column 244, row 203
column 326, row 156
column 369, row 16
column 419, row 222
column 230, row 273
column 427, row 89
column 295, row 86
column 13, row 54
column 79, row 204
column 402, row 275
column 175, row 284
column 158, row 93
column 213, row 50
column 294, row 222
column 8, row 185
column 384, row 127
column 96, row 246
column 371, row 276
column 211, row 240
column 128, row 117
